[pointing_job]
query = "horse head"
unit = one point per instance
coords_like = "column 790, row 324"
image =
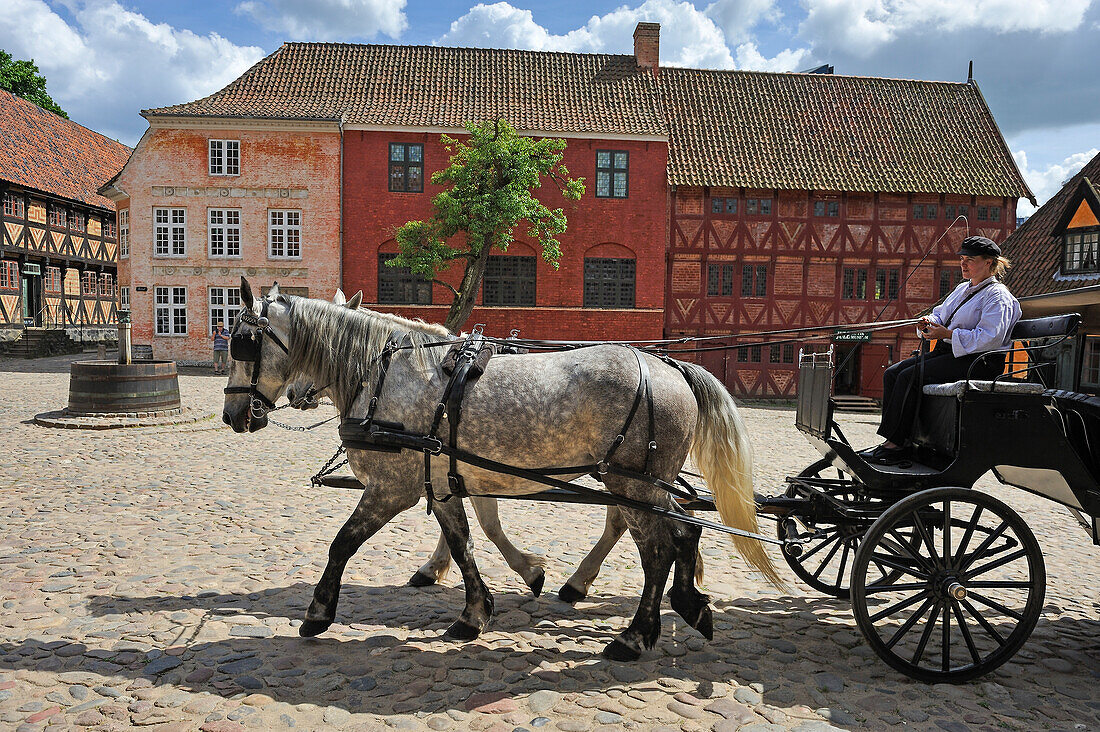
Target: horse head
column 300, row 393
column 259, row 367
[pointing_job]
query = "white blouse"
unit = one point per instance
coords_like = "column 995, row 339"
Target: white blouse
column 984, row 323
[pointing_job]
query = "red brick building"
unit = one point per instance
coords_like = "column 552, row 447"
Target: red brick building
column 717, row 202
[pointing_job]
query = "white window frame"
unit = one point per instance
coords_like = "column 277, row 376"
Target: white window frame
column 284, row 239
column 223, row 304
column 169, row 232
column 224, row 157
column 223, row 230
column 172, row 303
column 124, row 233
column 124, row 297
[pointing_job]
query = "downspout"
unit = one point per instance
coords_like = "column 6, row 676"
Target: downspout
column 340, row 253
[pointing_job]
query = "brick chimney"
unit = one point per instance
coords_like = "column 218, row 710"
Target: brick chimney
column 647, row 45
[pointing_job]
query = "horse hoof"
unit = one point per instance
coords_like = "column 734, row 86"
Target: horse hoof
column 310, row 628
column 462, row 631
column 616, row 650
column 536, row 585
column 569, row 593
column 421, row 580
column 705, row 624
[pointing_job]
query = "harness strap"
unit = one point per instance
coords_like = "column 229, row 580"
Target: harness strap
column 643, row 391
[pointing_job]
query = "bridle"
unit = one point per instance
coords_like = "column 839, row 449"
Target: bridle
column 249, row 347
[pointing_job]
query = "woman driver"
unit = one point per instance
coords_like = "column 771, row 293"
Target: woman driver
column 977, row 317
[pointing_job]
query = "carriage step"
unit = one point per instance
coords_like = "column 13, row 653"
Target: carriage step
column 849, row 403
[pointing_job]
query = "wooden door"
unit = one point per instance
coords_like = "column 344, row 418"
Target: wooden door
column 873, row 361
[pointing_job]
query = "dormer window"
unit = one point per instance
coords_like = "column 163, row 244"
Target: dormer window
column 1080, row 251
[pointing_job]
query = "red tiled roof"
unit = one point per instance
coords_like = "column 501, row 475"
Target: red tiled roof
column 429, row 86
column 40, row 150
column 1037, row 255
column 828, row 132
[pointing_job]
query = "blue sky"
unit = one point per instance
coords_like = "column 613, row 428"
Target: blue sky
column 107, row 59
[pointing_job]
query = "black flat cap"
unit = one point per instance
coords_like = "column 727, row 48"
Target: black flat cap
column 979, row 246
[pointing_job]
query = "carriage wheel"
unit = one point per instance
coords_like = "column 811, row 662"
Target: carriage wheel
column 972, row 589
column 825, row 562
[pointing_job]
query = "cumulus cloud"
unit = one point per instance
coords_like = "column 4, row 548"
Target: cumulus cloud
column 750, row 59
column 328, row 20
column 863, row 26
column 114, row 62
column 1047, row 181
column 737, row 18
column 688, row 36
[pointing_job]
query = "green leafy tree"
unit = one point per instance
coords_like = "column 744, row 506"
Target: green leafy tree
column 22, row 79
column 491, row 178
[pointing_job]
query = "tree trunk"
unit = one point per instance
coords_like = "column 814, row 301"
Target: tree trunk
column 464, row 301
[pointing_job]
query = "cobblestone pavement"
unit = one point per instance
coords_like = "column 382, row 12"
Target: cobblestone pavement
column 154, row 577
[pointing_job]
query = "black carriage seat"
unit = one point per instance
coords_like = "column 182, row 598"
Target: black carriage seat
column 1081, row 421
column 937, row 419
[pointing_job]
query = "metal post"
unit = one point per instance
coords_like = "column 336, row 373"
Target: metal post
column 124, row 351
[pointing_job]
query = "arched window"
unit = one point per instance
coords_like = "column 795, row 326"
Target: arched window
column 609, row 276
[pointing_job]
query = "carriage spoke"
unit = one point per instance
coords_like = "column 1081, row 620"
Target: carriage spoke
column 961, row 620
column 829, row 556
column 843, row 561
column 996, row 606
column 926, row 537
column 998, row 563
column 960, row 553
column 947, row 532
column 896, row 588
column 988, row 542
column 918, row 654
column 889, row 562
column 1000, row 584
column 945, row 641
column 984, row 623
column 907, row 602
column 908, row 624
column 820, row 546
column 902, row 548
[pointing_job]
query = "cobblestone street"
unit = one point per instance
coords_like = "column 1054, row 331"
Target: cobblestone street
column 154, row 578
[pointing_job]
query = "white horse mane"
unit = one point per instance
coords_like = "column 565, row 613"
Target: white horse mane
column 338, row 346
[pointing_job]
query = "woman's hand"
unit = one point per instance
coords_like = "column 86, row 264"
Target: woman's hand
column 935, row 332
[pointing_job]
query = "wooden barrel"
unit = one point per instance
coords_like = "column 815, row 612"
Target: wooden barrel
column 99, row 387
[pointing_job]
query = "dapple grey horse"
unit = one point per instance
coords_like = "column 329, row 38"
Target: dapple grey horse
column 530, row 567
column 536, row 411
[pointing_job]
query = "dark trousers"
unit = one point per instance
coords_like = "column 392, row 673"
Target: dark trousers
column 901, row 385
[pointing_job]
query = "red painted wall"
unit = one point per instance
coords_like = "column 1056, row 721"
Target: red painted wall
column 597, row 227
column 806, row 256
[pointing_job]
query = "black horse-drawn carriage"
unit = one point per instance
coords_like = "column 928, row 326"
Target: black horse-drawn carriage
column 946, row 583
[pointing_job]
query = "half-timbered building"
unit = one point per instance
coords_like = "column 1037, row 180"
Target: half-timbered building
column 1056, row 269
column 59, row 243
column 717, row 202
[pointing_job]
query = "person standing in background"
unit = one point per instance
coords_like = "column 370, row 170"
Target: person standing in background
column 221, row 349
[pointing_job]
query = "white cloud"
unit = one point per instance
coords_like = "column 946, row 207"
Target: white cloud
column 688, row 37
column 1045, row 183
column 115, row 62
column 750, row 59
column 737, row 18
column 328, row 20
column 862, row 26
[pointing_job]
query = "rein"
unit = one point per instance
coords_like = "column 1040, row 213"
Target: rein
column 250, row 348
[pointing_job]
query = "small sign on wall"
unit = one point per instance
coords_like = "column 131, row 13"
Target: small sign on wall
column 141, row 288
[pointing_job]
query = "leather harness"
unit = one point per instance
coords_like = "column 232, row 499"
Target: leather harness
column 465, row 362
column 250, row 347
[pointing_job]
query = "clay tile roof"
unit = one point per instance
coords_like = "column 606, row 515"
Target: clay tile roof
column 1037, row 255
column 429, row 86
column 834, row 133
column 40, row 150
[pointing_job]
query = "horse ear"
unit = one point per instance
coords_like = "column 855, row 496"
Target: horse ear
column 355, row 301
column 339, row 298
column 247, row 299
column 273, row 293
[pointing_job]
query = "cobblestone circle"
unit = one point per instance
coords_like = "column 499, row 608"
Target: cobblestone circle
column 153, row 578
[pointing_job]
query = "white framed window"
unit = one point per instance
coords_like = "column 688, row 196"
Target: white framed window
column 171, row 311
column 169, row 232
column 225, row 157
column 223, row 226
column 284, row 234
column 124, row 297
column 124, row 233
column 224, row 304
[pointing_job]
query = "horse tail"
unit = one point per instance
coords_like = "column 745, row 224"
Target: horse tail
column 723, row 453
